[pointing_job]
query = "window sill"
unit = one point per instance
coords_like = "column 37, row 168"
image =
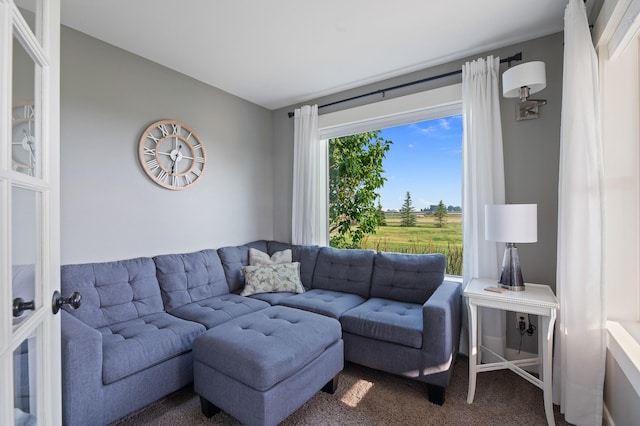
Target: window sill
column 623, row 340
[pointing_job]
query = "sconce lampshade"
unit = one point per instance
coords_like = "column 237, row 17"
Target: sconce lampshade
column 529, row 74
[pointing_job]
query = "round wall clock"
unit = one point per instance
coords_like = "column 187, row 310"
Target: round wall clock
column 23, row 141
column 172, row 154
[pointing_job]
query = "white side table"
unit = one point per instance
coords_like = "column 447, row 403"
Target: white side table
column 535, row 299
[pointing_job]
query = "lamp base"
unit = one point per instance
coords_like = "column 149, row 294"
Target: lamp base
column 511, row 275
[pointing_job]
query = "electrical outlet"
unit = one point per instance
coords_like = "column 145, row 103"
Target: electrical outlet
column 522, row 317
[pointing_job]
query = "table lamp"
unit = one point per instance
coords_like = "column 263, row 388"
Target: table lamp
column 511, row 224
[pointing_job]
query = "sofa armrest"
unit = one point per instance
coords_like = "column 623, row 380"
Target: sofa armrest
column 82, row 395
column 441, row 318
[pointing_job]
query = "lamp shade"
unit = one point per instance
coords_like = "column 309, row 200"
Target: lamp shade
column 530, row 74
column 511, row 223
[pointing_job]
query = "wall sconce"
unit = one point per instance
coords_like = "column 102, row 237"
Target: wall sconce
column 522, row 81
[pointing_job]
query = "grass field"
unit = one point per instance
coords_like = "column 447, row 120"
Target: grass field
column 425, row 237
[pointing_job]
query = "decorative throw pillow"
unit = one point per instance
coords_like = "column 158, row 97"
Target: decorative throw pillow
column 272, row 278
column 257, row 257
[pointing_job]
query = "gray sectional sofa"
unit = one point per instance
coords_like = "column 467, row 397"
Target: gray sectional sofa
column 130, row 341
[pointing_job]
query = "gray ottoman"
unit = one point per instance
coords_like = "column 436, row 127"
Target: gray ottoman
column 263, row 366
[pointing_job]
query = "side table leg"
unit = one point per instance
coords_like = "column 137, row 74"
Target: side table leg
column 473, row 349
column 546, row 353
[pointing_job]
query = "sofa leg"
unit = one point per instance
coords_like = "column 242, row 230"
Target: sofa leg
column 208, row 409
column 436, row 394
column 332, row 385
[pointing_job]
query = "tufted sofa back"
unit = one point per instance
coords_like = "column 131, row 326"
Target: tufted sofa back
column 234, row 258
column 343, row 270
column 306, row 255
column 190, row 277
column 409, row 278
column 113, row 292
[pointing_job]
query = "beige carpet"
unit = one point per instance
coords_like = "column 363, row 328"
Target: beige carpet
column 369, row 397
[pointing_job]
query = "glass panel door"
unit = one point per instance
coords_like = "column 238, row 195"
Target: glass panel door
column 29, row 212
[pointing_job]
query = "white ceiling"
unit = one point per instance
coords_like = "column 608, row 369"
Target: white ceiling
column 282, row 52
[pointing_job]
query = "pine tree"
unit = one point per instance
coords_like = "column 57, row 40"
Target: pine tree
column 407, row 212
column 380, row 216
column 441, row 215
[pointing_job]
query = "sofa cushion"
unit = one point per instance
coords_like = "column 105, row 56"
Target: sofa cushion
column 234, row 258
column 134, row 345
column 344, row 270
column 113, row 292
column 410, row 278
column 305, row 255
column 326, row 302
column 386, row 320
column 218, row 309
column 190, row 277
column 272, row 298
column 272, row 278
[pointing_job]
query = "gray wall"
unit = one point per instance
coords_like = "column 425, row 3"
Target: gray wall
column 110, row 209
column 531, row 150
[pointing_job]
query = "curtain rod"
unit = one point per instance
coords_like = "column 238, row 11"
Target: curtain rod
column 516, row 57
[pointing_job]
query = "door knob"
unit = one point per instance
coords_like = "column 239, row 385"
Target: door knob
column 19, row 306
column 57, row 301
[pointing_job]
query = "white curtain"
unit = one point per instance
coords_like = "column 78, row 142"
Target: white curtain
column 483, row 183
column 580, row 339
column 309, row 220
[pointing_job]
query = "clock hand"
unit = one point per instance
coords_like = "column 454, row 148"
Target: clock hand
column 173, row 166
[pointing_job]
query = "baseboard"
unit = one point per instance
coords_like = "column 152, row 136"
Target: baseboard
column 606, row 417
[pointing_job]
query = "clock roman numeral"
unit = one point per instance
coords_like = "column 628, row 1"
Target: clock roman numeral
column 200, row 160
column 175, row 180
column 153, row 164
column 162, row 176
column 151, row 136
column 188, row 136
column 176, row 129
column 163, row 129
column 149, row 151
column 188, row 179
column 196, row 171
column 197, row 146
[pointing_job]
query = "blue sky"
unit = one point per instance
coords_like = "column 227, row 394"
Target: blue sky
column 426, row 160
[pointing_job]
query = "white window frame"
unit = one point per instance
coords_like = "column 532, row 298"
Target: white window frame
column 423, row 106
column 428, row 105
column 616, row 36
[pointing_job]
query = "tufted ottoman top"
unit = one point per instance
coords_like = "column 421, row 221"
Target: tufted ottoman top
column 265, row 347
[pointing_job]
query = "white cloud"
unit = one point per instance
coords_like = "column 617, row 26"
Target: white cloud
column 444, row 124
column 410, row 145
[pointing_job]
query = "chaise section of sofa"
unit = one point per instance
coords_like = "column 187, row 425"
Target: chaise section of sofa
column 120, row 349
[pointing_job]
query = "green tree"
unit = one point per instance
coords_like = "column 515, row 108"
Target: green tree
column 355, row 175
column 441, row 215
column 380, row 216
column 407, row 212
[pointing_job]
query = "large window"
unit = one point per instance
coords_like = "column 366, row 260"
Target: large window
column 408, row 179
column 421, row 169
